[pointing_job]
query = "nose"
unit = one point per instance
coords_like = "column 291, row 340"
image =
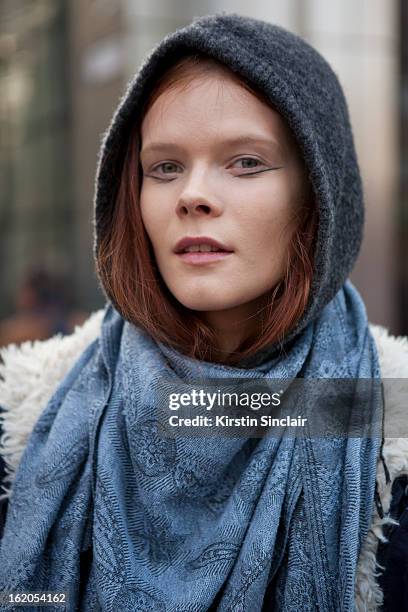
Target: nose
column 195, row 199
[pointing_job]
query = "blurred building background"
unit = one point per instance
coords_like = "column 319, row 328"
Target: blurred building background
column 63, row 66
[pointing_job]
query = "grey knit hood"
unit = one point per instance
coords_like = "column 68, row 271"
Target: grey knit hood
column 305, row 90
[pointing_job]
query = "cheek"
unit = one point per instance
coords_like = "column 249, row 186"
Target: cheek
column 266, row 221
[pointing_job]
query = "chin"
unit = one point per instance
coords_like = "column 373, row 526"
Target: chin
column 207, row 302
column 202, row 305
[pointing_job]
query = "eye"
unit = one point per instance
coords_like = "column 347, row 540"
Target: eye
column 253, row 162
column 167, row 168
column 248, row 163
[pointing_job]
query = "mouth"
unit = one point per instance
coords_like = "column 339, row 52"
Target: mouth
column 201, row 250
column 202, row 257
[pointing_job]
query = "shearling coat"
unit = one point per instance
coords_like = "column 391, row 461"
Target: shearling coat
column 31, row 372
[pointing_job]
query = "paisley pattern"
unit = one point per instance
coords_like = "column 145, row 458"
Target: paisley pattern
column 66, row 458
column 184, row 524
column 153, row 454
column 255, row 475
column 134, row 598
column 109, row 548
column 215, row 553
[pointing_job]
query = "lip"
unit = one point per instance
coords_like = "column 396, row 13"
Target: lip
column 192, row 240
column 199, row 258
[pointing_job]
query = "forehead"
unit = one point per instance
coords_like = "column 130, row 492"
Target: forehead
column 212, row 106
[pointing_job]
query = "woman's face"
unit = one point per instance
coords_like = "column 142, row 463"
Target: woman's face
column 218, row 163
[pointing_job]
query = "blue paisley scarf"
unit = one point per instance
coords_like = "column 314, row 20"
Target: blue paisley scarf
column 187, row 524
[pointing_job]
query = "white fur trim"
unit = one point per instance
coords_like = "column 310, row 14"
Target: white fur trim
column 393, row 356
column 31, row 372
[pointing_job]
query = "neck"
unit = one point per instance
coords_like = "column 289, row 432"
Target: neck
column 233, row 325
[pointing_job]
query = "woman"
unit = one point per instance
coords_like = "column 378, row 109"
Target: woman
column 228, row 215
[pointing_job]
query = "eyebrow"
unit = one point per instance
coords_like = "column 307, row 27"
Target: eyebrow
column 239, row 140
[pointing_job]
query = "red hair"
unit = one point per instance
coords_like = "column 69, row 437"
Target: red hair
column 128, row 271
